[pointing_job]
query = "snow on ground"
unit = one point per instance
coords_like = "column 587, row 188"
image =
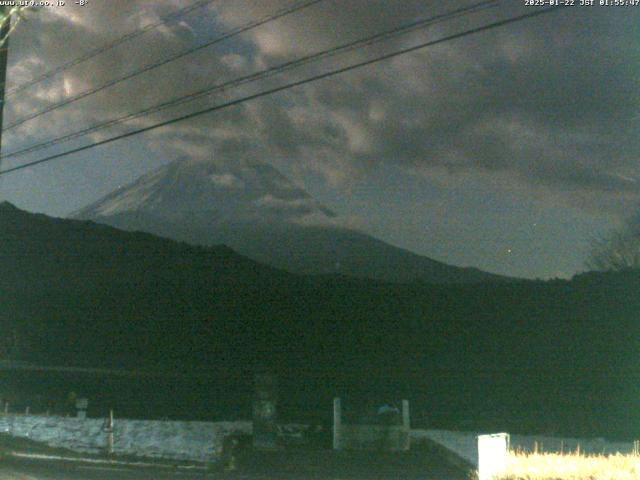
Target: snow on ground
column 465, row 444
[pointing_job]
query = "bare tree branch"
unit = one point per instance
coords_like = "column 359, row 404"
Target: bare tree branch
column 618, row 251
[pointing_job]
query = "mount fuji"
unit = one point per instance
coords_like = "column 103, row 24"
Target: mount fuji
column 251, row 207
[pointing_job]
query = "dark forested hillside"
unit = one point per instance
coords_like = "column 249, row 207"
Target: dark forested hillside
column 525, row 356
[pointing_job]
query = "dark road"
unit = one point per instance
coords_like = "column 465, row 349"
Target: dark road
column 20, row 469
column 285, row 466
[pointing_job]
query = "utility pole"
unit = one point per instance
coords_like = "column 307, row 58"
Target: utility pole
column 4, row 56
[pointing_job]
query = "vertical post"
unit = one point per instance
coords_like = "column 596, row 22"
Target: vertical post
column 265, row 428
column 406, row 427
column 110, row 433
column 4, row 56
column 337, row 424
column 493, row 451
column 406, row 421
column 81, row 406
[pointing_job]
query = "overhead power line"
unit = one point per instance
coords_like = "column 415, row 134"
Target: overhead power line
column 97, row 51
column 262, row 74
column 237, row 31
column 290, row 85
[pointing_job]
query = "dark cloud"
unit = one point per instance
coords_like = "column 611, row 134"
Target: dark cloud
column 560, row 112
column 552, row 101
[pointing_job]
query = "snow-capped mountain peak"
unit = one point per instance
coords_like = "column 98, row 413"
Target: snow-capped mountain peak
column 223, row 191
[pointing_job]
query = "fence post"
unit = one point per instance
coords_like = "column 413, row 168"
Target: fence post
column 406, row 426
column 265, row 428
column 492, row 455
column 81, row 406
column 337, row 424
column 110, row 433
column 406, row 422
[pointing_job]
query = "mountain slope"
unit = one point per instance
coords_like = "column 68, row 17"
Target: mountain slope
column 37, row 249
column 252, row 208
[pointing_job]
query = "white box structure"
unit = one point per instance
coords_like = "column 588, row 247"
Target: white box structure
column 493, row 451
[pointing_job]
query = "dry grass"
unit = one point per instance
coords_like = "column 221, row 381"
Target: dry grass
column 571, row 466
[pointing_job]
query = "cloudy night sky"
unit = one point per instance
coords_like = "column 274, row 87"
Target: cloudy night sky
column 509, row 150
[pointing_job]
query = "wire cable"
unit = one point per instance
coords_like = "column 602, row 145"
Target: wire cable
column 95, row 52
column 266, row 73
column 269, row 18
column 288, row 86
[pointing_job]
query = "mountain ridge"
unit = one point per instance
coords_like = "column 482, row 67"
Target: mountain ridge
column 253, row 208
